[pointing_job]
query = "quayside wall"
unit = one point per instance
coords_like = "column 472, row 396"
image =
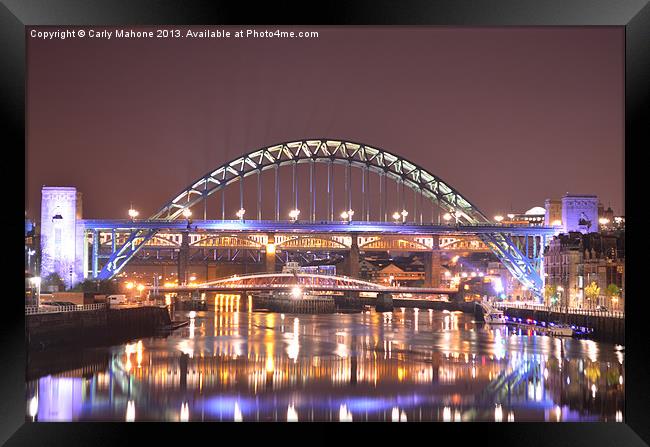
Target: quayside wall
column 91, row 327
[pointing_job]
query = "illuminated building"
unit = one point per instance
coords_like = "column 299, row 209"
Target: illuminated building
column 62, row 239
column 573, row 212
column 553, row 212
column 573, row 261
column 31, row 247
column 534, row 217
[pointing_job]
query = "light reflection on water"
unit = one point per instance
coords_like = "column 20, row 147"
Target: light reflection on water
column 249, row 366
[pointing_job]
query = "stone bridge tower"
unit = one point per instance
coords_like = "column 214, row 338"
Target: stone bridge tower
column 62, row 235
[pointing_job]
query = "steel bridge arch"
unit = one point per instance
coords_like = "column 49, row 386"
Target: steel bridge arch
column 223, row 240
column 359, row 155
column 294, row 241
column 393, row 244
column 341, row 152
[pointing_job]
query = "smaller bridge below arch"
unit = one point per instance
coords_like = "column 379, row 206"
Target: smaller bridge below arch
column 306, row 282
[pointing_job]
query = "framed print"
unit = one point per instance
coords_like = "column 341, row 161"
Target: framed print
column 365, row 213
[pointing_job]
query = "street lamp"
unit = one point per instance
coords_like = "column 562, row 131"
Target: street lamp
column 293, row 214
column 560, row 290
column 347, row 215
column 187, row 213
column 603, row 221
column 396, row 216
column 36, row 282
column 447, row 217
column 498, row 218
column 240, row 213
column 404, row 214
column 133, row 213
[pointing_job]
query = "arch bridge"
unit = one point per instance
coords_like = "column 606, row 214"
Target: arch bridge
column 415, row 193
column 304, row 281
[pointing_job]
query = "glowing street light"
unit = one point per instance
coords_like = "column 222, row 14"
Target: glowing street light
column 511, row 216
column 603, row 221
column 397, row 216
column 240, row 213
column 296, row 292
column 293, row 214
column 133, row 213
column 187, row 213
column 447, row 217
column 498, row 218
column 347, row 215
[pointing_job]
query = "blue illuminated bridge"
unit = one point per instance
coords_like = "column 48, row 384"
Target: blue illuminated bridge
column 345, row 198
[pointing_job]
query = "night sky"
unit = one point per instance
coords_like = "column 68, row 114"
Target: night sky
column 508, row 116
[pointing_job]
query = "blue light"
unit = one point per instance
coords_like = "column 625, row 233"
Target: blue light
column 226, row 404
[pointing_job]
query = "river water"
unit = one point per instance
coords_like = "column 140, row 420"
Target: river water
column 407, row 365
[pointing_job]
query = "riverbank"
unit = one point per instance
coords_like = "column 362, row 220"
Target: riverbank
column 94, row 327
column 606, row 329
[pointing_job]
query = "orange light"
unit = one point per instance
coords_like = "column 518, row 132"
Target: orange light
column 129, row 285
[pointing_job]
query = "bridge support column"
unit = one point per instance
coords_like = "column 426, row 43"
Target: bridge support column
column 95, row 256
column 183, row 258
column 384, row 302
column 352, row 263
column 270, row 254
column 432, row 268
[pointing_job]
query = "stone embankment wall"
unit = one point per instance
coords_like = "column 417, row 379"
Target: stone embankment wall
column 93, row 326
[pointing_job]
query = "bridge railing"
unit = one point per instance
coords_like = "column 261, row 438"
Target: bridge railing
column 561, row 309
column 107, row 224
column 48, row 309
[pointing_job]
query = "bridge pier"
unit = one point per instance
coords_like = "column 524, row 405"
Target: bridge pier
column 270, row 254
column 352, row 261
column 384, row 302
column 432, row 267
column 183, row 258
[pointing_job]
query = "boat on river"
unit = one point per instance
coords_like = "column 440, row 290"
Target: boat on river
column 554, row 329
column 492, row 315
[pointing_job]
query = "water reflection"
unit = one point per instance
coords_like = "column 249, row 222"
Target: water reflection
column 403, row 366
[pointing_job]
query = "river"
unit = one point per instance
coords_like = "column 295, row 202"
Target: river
column 406, row 365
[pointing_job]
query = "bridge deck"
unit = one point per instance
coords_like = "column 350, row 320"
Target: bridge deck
column 261, row 226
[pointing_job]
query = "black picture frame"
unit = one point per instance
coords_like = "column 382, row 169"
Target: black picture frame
column 634, row 15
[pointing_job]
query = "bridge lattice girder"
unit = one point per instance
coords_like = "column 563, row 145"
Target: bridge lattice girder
column 341, row 152
column 291, row 279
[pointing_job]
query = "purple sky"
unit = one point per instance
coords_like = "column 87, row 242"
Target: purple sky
column 508, row 116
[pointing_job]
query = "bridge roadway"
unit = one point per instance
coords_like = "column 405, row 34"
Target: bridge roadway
column 233, row 288
column 261, row 226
